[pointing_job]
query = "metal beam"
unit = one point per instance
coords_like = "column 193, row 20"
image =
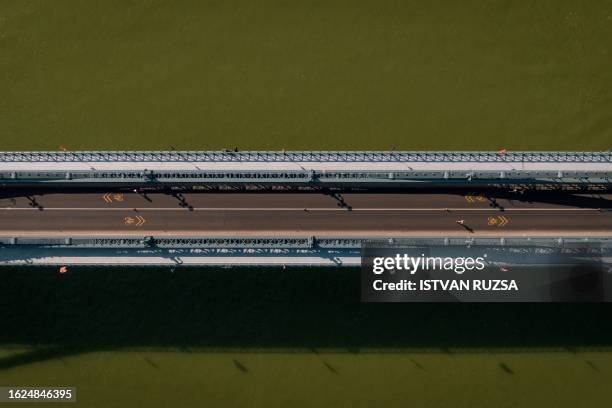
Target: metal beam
column 283, row 242
column 297, row 177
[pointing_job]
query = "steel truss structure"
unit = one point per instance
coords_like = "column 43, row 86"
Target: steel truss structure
column 287, row 242
column 297, row 177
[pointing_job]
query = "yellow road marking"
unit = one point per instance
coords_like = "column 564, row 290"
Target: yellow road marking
column 473, row 197
column 110, row 197
column 499, row 221
column 502, row 221
column 137, row 221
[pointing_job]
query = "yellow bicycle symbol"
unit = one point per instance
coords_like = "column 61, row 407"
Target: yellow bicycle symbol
column 499, row 221
column 137, row 221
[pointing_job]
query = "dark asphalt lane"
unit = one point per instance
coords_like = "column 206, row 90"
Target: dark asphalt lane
column 276, row 200
column 304, row 214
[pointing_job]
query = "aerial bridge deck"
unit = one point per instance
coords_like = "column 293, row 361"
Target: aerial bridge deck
column 122, row 208
column 305, row 228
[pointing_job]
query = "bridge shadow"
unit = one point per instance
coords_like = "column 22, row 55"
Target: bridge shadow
column 578, row 199
column 105, row 309
column 568, row 199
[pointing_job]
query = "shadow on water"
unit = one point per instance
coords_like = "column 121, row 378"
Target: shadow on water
column 87, row 310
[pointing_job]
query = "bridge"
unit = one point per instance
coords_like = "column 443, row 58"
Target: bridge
column 147, row 208
column 265, row 251
column 310, row 169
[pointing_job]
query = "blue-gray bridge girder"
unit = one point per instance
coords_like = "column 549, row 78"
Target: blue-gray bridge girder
column 297, row 176
column 287, row 242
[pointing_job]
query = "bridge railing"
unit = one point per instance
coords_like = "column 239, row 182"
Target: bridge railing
column 307, row 156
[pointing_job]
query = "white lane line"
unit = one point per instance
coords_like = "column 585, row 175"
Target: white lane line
column 291, row 209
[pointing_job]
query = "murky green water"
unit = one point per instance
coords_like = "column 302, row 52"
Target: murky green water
column 305, row 379
column 306, row 75
column 298, row 337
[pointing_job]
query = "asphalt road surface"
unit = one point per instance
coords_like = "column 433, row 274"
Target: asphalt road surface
column 304, row 214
